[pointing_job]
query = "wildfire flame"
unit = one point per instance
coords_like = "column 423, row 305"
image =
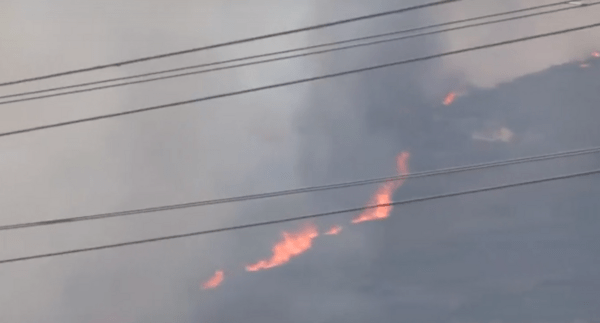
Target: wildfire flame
column 449, row 98
column 335, row 230
column 214, row 281
column 292, row 245
column 384, row 194
column 296, row 243
column 596, row 54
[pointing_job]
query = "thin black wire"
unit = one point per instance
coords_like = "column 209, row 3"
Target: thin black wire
column 443, row 171
column 285, row 52
column 235, row 42
column 299, row 81
column 305, row 217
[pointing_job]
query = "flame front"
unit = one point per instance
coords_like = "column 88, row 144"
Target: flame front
column 292, row 245
column 384, row 194
column 335, row 230
column 296, row 243
column 449, row 98
column 214, row 281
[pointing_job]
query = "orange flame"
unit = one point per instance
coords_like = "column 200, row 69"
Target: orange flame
column 214, row 281
column 449, row 98
column 402, row 165
column 335, row 230
column 292, row 245
column 384, row 194
column 596, row 54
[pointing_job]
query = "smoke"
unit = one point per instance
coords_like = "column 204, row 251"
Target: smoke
column 498, row 256
column 475, row 258
column 505, row 64
column 191, row 153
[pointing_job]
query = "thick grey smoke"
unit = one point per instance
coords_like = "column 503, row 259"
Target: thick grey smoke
column 526, row 255
column 186, row 154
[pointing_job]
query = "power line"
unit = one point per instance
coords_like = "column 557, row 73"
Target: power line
column 305, row 217
column 299, row 81
column 283, row 52
column 235, row 42
column 443, row 171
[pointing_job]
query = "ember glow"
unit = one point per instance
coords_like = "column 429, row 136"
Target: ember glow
column 292, row 245
column 449, row 98
column 214, row 281
column 384, row 194
column 335, row 230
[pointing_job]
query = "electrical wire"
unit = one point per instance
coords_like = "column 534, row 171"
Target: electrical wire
column 443, row 171
column 235, row 42
column 305, row 217
column 298, row 81
column 283, row 52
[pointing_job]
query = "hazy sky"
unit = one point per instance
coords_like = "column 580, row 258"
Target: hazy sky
column 524, row 255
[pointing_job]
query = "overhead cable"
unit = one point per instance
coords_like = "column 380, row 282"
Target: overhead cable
column 298, row 81
column 443, row 171
column 79, row 85
column 305, row 217
column 229, row 43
